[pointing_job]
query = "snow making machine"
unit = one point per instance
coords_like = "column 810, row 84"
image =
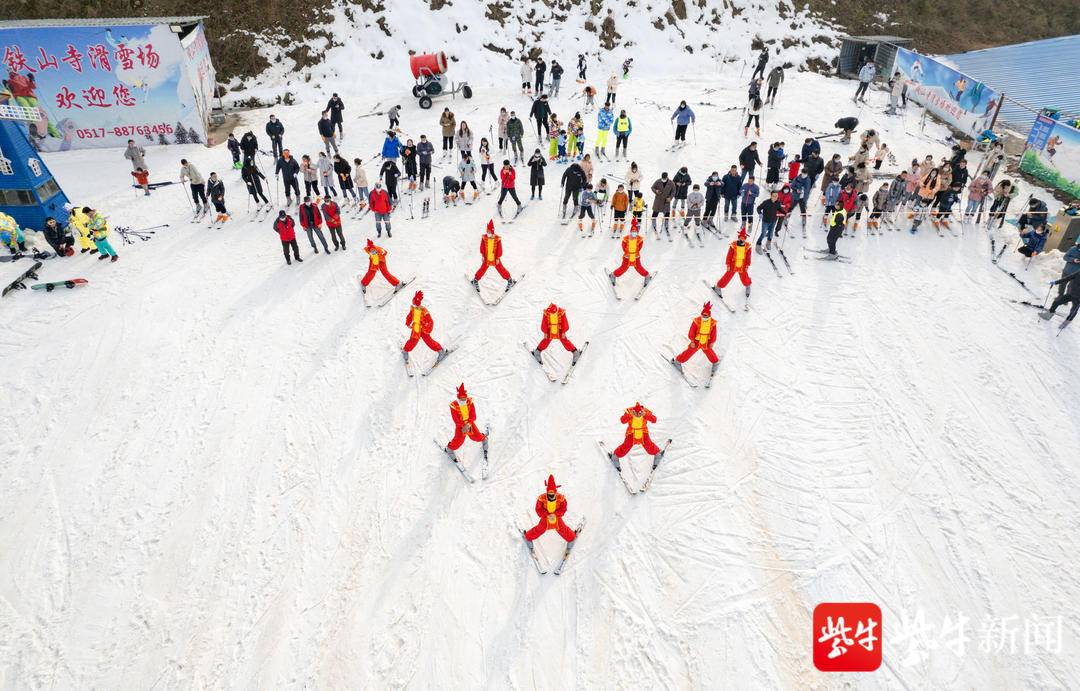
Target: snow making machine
column 429, row 70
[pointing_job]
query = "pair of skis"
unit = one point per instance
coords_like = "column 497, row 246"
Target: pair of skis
column 538, row 357
column 637, row 296
column 509, row 286
column 720, row 297
column 544, row 568
column 618, row 467
column 389, row 296
column 693, row 385
column 518, row 212
column 457, row 461
column 442, row 355
column 828, row 257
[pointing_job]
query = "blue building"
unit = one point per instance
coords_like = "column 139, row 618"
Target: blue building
column 28, row 191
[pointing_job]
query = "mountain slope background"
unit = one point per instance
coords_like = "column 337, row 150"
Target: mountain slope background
column 259, row 47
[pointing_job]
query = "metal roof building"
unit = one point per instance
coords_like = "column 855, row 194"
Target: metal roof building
column 1040, row 74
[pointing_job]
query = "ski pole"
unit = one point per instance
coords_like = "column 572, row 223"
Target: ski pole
column 693, row 126
column 187, row 195
column 1048, row 291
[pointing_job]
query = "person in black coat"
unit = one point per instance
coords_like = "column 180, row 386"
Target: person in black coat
column 763, row 59
column 730, row 185
column 249, row 144
column 810, row 145
column 541, row 111
column 252, row 178
column 58, row 237
column 573, row 180
column 749, row 160
column 541, row 70
column 536, row 175
column 846, row 126
column 813, row 166
column 335, row 106
column 326, row 131
column 713, row 187
column 390, row 174
column 288, row 169
column 275, row 130
column 774, row 158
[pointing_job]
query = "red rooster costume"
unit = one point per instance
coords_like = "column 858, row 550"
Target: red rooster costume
column 550, row 507
column 631, row 249
column 554, row 325
column 491, row 254
column 637, row 421
column 463, row 412
column 376, row 263
column 702, row 336
column 420, row 324
column 738, row 262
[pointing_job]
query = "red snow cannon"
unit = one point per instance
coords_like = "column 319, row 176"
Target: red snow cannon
column 429, row 71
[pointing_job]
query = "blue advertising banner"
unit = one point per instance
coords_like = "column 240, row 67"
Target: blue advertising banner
column 1040, row 131
column 963, row 102
column 99, row 86
column 1053, row 155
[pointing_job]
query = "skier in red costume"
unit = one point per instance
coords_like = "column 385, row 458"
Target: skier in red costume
column 702, row 336
column 376, row 263
column 420, row 324
column 738, row 262
column 637, row 421
column 491, row 256
column 631, row 249
column 463, row 413
column 554, row 325
column 550, row 507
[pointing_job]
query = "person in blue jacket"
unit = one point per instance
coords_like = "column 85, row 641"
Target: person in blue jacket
column 809, row 145
column 391, row 147
column 730, row 185
column 800, row 192
column 747, row 196
column 683, row 117
column 604, row 120
column 832, row 196
column 1072, row 266
column 1034, row 241
column 1034, row 216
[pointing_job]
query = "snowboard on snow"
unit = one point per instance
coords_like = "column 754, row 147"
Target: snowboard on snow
column 49, row 287
column 20, row 282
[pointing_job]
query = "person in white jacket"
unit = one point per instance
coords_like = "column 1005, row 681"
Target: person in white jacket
column 360, row 181
column 526, row 77
column 633, row 178
column 612, row 85
column 866, row 76
column 504, row 140
column 895, row 92
column 326, row 175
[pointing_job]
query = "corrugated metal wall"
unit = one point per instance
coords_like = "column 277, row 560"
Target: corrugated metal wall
column 1040, row 74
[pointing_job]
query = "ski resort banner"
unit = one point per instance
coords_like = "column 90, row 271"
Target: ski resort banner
column 1053, row 155
column 98, row 86
column 965, row 103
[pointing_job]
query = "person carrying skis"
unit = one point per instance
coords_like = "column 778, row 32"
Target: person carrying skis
column 702, row 336
column 326, row 132
column 275, row 130
column 251, row 177
column 249, row 144
column 573, row 181
column 748, row 195
column 554, row 325
column 604, row 120
column 550, row 507
column 866, row 76
column 737, row 262
column 491, row 252
column 637, row 419
column 631, row 253
column 379, row 201
column 286, row 230
column 216, row 188
column 776, row 78
column 62, row 242
column 288, row 169
column 508, row 184
column 463, row 413
column 311, row 221
column 332, row 214
column 376, row 263
column 515, row 132
column 683, row 117
column 420, row 325
column 190, row 174
column 663, row 190
column 425, row 151
column 623, row 128
column 234, row 149
column 100, row 231
column 335, row 106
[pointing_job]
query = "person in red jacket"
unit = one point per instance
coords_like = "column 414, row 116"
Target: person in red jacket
column 376, row 263
column 554, row 325
column 286, row 230
column 379, row 201
column 420, row 326
column 311, row 221
column 702, row 337
column 508, row 180
column 738, row 262
column 848, row 198
column 551, row 507
column 463, row 413
column 332, row 214
column 631, row 252
column 637, row 421
column 491, row 256
column 785, row 202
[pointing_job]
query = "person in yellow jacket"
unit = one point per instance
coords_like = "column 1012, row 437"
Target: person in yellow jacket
column 78, row 220
column 99, row 229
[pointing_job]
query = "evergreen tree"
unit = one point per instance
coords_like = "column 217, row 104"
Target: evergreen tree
column 162, row 140
column 193, row 136
column 180, row 135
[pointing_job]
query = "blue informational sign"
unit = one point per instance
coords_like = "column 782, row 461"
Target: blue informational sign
column 1040, row 132
column 98, row 86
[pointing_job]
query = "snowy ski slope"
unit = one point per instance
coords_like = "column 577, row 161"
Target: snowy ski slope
column 217, row 475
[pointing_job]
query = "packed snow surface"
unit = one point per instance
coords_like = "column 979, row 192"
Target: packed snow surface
column 216, row 472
